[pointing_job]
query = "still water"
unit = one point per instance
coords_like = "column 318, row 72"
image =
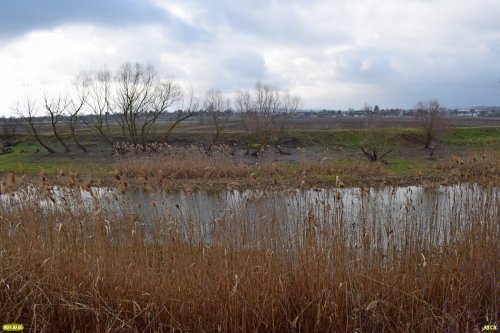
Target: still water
column 433, row 214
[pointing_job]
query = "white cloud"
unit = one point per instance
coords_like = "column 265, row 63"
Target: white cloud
column 177, row 9
column 335, row 54
column 46, row 59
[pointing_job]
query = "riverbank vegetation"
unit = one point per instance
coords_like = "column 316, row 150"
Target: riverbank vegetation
column 314, row 158
column 70, row 263
column 93, row 125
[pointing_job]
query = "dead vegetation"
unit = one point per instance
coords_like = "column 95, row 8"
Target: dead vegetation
column 162, row 166
column 68, row 263
column 475, row 167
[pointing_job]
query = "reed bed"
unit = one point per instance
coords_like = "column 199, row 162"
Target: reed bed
column 163, row 166
column 192, row 166
column 479, row 167
column 84, row 259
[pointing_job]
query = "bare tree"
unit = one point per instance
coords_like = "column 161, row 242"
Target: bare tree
column 256, row 109
column 134, row 98
column 265, row 112
column 190, row 108
column 76, row 104
column 166, row 94
column 55, row 107
column 279, row 121
column 98, row 103
column 431, row 117
column 244, row 106
column 217, row 108
column 141, row 98
column 27, row 109
column 375, row 144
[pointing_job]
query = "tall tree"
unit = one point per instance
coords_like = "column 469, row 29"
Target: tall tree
column 264, row 112
column 432, row 118
column 217, row 108
column 135, row 87
column 141, row 98
column 28, row 110
column 166, row 94
column 55, row 107
column 375, row 145
column 280, row 120
column 99, row 102
column 190, row 108
column 76, row 104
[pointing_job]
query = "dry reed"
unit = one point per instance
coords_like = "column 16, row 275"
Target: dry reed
column 68, row 263
column 474, row 167
column 166, row 166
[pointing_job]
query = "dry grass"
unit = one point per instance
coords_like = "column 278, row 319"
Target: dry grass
column 169, row 168
column 187, row 165
column 172, row 168
column 477, row 167
column 75, row 266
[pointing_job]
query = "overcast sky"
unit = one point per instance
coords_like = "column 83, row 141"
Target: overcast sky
column 335, row 54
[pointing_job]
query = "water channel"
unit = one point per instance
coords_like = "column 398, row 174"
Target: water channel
column 432, row 214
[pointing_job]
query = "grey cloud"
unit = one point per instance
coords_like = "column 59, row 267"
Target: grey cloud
column 18, row 17
column 364, row 66
column 234, row 71
column 247, row 67
column 456, row 94
column 282, row 22
column 395, row 56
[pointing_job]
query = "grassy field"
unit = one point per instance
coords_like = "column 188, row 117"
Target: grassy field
column 331, row 151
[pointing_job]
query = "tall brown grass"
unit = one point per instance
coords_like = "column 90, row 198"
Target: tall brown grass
column 69, row 264
column 477, row 167
column 165, row 166
column 168, row 167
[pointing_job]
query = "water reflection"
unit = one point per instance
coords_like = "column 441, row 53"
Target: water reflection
column 433, row 214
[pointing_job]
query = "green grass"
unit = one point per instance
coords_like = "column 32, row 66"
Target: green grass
column 17, row 159
column 407, row 167
column 473, row 136
column 407, row 158
column 311, row 137
column 352, row 138
column 31, row 158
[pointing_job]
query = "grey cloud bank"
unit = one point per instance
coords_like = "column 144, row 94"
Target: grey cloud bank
column 17, row 17
column 335, row 54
